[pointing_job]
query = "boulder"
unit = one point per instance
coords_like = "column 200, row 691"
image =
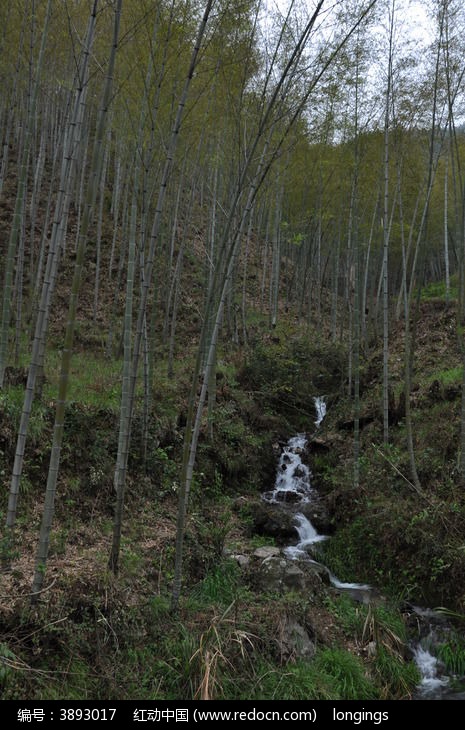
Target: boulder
column 294, row 578
column 320, row 570
column 269, row 575
column 288, row 496
column 273, row 522
column 319, row 444
column 275, row 574
column 295, row 642
column 318, row 514
column 267, row 551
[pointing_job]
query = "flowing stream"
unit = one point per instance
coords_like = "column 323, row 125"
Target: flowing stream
column 436, row 683
column 293, row 489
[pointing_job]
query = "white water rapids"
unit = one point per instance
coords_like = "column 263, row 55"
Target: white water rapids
column 293, row 489
column 320, row 407
column 431, row 681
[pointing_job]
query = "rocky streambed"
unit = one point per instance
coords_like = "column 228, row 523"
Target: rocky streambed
column 293, row 513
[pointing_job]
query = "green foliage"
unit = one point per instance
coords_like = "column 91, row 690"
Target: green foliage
column 131, row 562
column 451, row 376
column 80, row 683
column 333, row 674
column 94, row 380
column 262, row 541
column 437, row 289
column 347, row 550
column 452, row 653
column 161, row 670
column 354, row 618
column 11, row 404
column 8, row 542
column 211, row 531
column 348, row 674
column 213, row 488
column 159, row 607
column 390, row 621
column 398, row 676
column 58, row 541
column 382, row 626
column 164, row 470
column 11, row 399
column 220, row 585
column 232, row 454
column 6, row 659
column 286, row 371
column 349, row 614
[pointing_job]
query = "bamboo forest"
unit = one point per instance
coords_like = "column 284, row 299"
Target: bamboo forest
column 232, row 348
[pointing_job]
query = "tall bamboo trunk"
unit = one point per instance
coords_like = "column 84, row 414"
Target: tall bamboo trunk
column 58, row 430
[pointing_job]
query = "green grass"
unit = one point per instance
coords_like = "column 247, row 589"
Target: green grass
column 334, row 674
column 353, row 617
column 398, row 677
column 11, row 404
column 94, row 380
column 452, row 376
column 437, row 289
column 452, row 653
column 220, row 585
column 208, row 647
column 384, row 627
column 259, row 541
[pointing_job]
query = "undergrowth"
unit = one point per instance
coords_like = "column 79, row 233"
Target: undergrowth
column 380, row 631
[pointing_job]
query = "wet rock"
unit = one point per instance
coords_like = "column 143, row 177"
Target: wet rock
column 319, row 444
column 269, row 576
column 359, row 595
column 268, row 496
column 323, row 444
column 267, row 551
column 319, row 516
column 320, row 570
column 278, row 575
column 288, row 496
column 276, row 449
column 299, row 473
column 294, row 578
column 295, row 642
column 420, row 621
column 272, row 522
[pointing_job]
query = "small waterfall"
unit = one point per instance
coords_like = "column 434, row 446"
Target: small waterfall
column 293, row 488
column 431, row 682
column 293, row 477
column 308, row 536
column 348, row 586
column 437, row 683
column 320, row 407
